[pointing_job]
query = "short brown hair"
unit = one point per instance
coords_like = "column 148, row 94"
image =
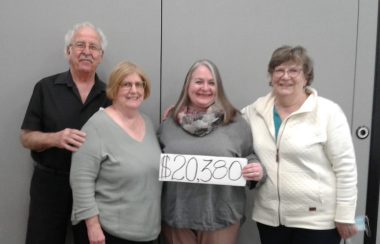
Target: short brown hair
column 295, row 54
column 119, row 73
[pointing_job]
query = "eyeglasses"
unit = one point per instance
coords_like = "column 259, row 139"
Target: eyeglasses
column 292, row 72
column 80, row 46
column 128, row 85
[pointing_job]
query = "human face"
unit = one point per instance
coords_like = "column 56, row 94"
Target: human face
column 202, row 89
column 85, row 53
column 131, row 91
column 288, row 79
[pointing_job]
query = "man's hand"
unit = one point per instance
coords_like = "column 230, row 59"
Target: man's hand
column 69, row 139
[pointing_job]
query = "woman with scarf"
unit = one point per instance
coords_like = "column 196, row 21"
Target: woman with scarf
column 204, row 122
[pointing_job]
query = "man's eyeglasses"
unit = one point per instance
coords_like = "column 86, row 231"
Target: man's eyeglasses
column 292, row 72
column 128, row 85
column 80, row 46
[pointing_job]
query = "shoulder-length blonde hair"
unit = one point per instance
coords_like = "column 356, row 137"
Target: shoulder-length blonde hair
column 119, row 73
column 221, row 99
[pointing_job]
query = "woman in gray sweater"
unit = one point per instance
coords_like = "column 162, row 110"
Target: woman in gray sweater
column 116, row 192
column 203, row 122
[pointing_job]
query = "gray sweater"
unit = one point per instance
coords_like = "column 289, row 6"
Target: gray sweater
column 200, row 206
column 116, row 177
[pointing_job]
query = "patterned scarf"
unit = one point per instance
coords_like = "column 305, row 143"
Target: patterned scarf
column 200, row 123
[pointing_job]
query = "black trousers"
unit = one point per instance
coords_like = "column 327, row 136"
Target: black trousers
column 50, row 207
column 288, row 235
column 80, row 236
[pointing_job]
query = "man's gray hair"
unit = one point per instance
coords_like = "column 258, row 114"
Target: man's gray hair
column 70, row 34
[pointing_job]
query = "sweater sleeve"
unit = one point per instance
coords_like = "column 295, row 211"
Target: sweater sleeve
column 85, row 167
column 341, row 153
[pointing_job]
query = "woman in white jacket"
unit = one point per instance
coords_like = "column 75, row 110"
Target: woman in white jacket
column 305, row 144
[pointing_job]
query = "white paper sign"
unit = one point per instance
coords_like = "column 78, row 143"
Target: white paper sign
column 202, row 169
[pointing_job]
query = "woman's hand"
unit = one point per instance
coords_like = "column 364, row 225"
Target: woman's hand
column 94, row 231
column 346, row 230
column 253, row 172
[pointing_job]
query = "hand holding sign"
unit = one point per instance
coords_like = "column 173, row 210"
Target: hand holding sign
column 202, row 169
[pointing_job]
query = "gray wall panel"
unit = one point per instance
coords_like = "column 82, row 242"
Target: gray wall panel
column 240, row 36
column 363, row 96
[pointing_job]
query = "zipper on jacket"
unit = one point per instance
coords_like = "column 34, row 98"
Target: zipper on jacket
column 278, row 179
column 277, row 156
column 279, row 137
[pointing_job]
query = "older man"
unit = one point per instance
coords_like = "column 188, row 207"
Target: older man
column 59, row 106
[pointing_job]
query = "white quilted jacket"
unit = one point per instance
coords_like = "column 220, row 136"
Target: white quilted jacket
column 311, row 168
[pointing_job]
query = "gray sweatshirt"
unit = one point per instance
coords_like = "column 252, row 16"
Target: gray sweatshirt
column 200, row 206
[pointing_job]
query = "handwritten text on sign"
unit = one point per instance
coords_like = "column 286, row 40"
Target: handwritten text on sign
column 202, row 169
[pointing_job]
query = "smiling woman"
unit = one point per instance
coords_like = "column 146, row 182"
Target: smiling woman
column 204, row 122
column 304, row 142
column 202, row 89
column 112, row 167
